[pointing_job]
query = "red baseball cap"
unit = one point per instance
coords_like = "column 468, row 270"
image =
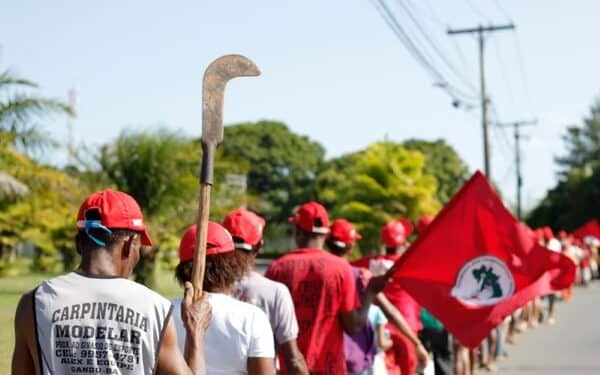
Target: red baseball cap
column 423, row 223
column 218, row 241
column 246, row 227
column 343, row 232
column 117, row 210
column 393, row 234
column 548, row 233
column 311, row 217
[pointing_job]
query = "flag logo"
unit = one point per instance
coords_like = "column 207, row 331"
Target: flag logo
column 485, row 280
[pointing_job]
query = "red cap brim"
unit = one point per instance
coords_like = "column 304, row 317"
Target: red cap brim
column 146, row 241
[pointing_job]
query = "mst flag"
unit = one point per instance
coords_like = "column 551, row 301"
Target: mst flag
column 590, row 229
column 476, row 264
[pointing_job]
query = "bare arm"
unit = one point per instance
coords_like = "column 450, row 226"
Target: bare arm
column 25, row 356
column 196, row 318
column 170, row 359
column 383, row 342
column 397, row 319
column 353, row 321
column 260, row 366
column 293, row 358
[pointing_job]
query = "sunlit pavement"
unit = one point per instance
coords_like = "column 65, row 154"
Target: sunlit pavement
column 572, row 346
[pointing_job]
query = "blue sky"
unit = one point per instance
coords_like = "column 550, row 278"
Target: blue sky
column 332, row 70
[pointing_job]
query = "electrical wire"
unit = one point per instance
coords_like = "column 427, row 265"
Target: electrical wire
column 505, row 76
column 524, row 79
column 503, row 11
column 435, row 47
column 420, row 57
column 476, row 11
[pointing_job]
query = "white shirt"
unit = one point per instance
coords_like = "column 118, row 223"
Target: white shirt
column 237, row 331
column 102, row 325
column 274, row 299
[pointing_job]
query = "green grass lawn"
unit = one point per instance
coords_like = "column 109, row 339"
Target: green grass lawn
column 11, row 289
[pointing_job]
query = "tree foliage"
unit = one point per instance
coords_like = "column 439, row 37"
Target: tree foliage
column 282, row 165
column 159, row 168
column 382, row 183
column 443, row 163
column 576, row 197
column 582, row 144
column 44, row 218
column 20, row 110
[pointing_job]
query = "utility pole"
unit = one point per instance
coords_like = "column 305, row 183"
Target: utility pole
column 73, row 102
column 481, row 30
column 516, row 128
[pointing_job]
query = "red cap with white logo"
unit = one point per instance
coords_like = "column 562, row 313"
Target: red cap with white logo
column 246, row 227
column 117, row 210
column 218, row 241
column 393, row 234
column 311, row 217
column 343, row 233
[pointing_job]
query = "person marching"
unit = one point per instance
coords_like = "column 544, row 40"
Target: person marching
column 402, row 357
column 95, row 320
column 272, row 297
column 365, row 351
column 324, row 292
column 240, row 337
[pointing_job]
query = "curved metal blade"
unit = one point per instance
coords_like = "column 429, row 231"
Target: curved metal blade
column 216, row 76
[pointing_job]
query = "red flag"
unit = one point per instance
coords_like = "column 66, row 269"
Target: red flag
column 476, row 264
column 589, row 229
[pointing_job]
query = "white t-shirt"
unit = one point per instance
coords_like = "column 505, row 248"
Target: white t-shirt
column 274, row 299
column 87, row 324
column 237, row 331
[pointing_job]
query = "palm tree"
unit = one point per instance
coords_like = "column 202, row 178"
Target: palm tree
column 19, row 111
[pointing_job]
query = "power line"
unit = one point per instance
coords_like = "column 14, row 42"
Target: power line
column 480, row 30
column 425, row 63
column 503, row 11
column 476, row 10
column 435, row 47
column 516, row 128
column 524, row 79
column 505, row 77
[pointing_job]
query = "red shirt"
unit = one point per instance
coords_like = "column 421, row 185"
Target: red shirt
column 408, row 307
column 322, row 286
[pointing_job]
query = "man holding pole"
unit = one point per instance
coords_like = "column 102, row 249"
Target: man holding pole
column 94, row 319
column 324, row 292
column 272, row 297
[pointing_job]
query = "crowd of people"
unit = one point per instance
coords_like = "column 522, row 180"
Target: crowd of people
column 315, row 311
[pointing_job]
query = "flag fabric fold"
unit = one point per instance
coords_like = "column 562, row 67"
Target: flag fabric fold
column 476, row 264
column 590, row 229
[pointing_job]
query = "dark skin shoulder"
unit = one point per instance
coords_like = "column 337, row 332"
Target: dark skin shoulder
column 25, row 360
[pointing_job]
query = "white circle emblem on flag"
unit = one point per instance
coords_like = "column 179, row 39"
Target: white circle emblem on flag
column 485, row 280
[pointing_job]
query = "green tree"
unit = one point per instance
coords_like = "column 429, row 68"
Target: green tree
column 20, row 110
column 443, row 163
column 582, row 143
column 282, row 165
column 44, row 218
column 576, row 196
column 382, row 183
column 160, row 170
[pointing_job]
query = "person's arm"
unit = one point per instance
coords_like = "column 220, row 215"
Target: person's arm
column 25, row 358
column 293, row 358
column 261, row 349
column 286, row 332
column 384, row 343
column 196, row 318
column 354, row 320
column 395, row 317
column 260, row 366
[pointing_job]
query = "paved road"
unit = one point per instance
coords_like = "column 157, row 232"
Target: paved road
column 572, row 346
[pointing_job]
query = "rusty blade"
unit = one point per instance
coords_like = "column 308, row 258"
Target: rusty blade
column 216, row 76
